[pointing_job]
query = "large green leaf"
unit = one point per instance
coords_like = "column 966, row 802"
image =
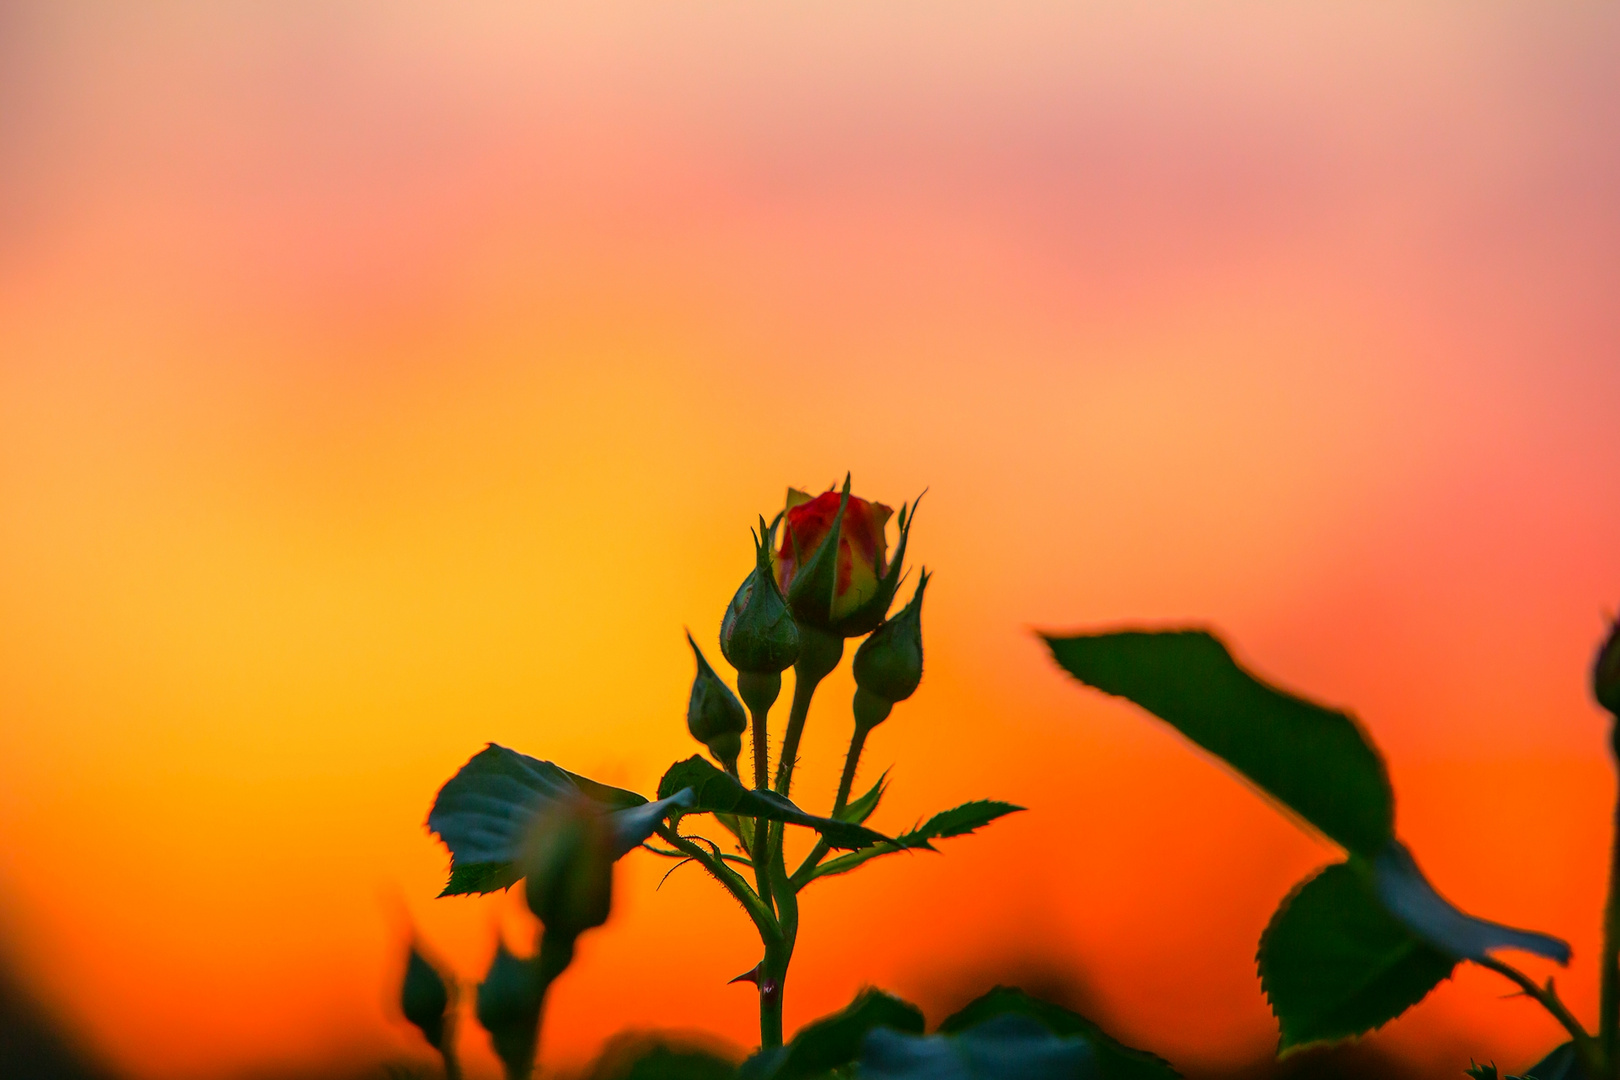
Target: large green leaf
column 718, row 792
column 1335, row 964
column 484, row 812
column 1115, row 1060
column 833, row 1041
column 1313, row 760
column 1006, row 1047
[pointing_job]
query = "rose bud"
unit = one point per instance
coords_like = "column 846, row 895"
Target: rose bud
column 509, row 1001
column 1606, row 672
column 424, row 998
column 757, row 633
column 567, row 862
column 889, row 664
column 714, row 716
column 831, row 565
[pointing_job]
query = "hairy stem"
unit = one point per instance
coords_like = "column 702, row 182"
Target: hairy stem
column 733, row 882
column 759, row 692
column 819, row 653
column 852, row 761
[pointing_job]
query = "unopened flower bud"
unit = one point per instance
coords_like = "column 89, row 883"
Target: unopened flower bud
column 1606, row 672
column 424, row 998
column 714, row 716
column 831, row 565
column 568, row 866
column 757, row 633
column 509, row 1001
column 889, row 663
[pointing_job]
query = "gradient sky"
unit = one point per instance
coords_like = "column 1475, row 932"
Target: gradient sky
column 380, row 379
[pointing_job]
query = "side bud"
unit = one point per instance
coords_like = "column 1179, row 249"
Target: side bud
column 757, row 634
column 424, row 998
column 889, row 663
column 567, row 864
column 1606, row 672
column 714, row 716
column 509, row 1003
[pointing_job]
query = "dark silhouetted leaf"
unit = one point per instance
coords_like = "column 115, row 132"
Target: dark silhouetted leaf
column 957, row 821
column 833, row 1041
column 484, row 811
column 1407, row 894
column 1115, row 1060
column 1007, row 1047
column 1482, row 1072
column 718, row 792
column 652, row 1058
column 1334, row 964
column 1313, row 760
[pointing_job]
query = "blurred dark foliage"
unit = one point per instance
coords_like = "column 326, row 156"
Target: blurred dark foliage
column 33, row 1043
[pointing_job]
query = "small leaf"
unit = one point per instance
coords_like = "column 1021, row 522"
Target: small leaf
column 1562, row 1064
column 484, row 811
column 1115, row 1060
column 1482, row 1072
column 1313, row 760
column 957, row 821
column 1334, row 964
column 718, row 792
column 1407, row 894
column 1007, row 1047
column 862, row 808
column 835, row 1040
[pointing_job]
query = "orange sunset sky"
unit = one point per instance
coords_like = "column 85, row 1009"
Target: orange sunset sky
column 381, row 379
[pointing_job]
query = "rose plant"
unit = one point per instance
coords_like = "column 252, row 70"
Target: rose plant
column 821, row 576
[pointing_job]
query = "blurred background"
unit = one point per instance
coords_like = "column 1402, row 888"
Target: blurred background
column 379, row 379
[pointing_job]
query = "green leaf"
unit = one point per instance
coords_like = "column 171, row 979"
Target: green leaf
column 862, row 808
column 1115, row 1060
column 1562, row 1064
column 833, row 1041
column 1482, row 1072
column 480, row 878
column 957, row 821
column 484, row 812
column 718, row 792
column 1407, row 895
column 1334, row 964
column 1007, row 1047
column 1313, row 760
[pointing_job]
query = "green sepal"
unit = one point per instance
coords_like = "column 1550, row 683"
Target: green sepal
column 717, row 792
column 833, row 1041
column 1115, row 1060
column 1334, row 964
column 871, row 614
column 863, row 807
column 1315, row 761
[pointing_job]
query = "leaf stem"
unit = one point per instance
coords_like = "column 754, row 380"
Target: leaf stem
column 1547, row 997
column 734, row 883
